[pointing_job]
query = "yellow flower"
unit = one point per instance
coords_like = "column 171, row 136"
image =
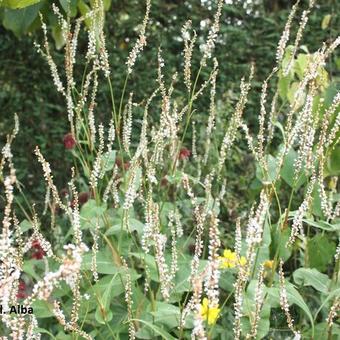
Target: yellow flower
column 209, row 313
column 243, row 261
column 229, row 259
column 268, row 264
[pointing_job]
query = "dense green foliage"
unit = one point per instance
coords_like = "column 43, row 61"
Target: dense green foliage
column 33, row 97
column 275, row 202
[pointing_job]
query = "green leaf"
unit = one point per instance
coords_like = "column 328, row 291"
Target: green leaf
column 293, row 296
column 167, row 315
column 316, row 205
column 20, row 20
column 320, row 330
column 325, row 21
column 333, row 164
column 84, row 8
column 30, row 266
column 91, row 213
column 103, row 313
column 69, row 6
column 301, row 64
column 107, row 4
column 272, row 168
column 42, row 309
column 279, row 241
column 25, row 225
column 108, row 160
column 291, row 94
column 134, row 225
column 226, row 281
column 320, row 252
column 58, row 37
column 322, row 225
column 249, row 309
column 44, row 331
column 150, row 262
column 182, row 283
column 18, row 4
column 165, row 335
column 283, row 86
column 105, row 263
column 312, row 277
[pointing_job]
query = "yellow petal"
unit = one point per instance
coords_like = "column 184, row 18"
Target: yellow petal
column 269, row 264
column 243, row 261
column 227, row 253
column 213, row 315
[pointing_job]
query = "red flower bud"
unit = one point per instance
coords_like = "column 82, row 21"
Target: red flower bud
column 69, row 141
column 38, row 252
column 83, row 197
column 164, row 182
column 184, row 153
column 38, row 255
column 120, row 164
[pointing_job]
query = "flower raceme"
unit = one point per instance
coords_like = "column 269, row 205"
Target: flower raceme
column 209, row 313
column 229, row 260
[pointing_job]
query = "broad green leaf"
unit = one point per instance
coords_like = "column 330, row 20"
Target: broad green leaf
column 269, row 177
column 30, row 266
column 91, row 213
column 25, row 225
column 293, row 296
column 322, row 225
column 58, row 37
column 103, row 313
column 249, row 309
column 312, row 277
column 333, row 164
column 108, row 160
column 149, row 260
column 331, row 295
column 182, row 283
column 226, row 281
column 283, row 85
column 301, row 64
column 44, row 331
column 134, row 225
column 263, row 325
column 165, row 335
column 107, row 4
column 320, row 252
column 18, row 4
column 62, row 336
column 42, row 309
column 279, row 241
column 320, row 330
column 322, row 79
column 105, row 263
column 167, row 315
column 84, row 8
column 316, row 205
column 69, row 6
column 20, row 20
column 291, row 95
